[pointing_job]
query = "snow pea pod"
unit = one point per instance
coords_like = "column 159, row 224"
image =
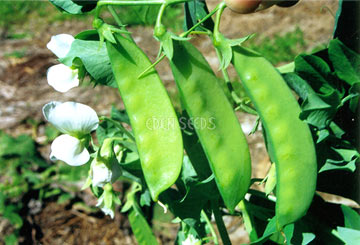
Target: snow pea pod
column 222, row 138
column 152, row 116
column 290, row 143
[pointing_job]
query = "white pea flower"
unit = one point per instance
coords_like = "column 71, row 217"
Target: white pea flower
column 61, row 77
column 60, row 44
column 105, row 208
column 76, row 121
column 101, row 174
column 191, row 240
column 108, row 200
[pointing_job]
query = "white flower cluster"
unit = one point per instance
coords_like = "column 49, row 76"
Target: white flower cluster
column 76, row 121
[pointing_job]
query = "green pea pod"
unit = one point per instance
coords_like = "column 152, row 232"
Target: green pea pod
column 152, row 116
column 221, row 136
column 289, row 139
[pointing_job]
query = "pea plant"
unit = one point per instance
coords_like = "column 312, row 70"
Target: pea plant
column 195, row 162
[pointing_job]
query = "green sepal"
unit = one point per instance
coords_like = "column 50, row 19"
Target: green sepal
column 223, row 45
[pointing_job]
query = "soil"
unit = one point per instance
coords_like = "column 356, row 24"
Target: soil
column 24, row 90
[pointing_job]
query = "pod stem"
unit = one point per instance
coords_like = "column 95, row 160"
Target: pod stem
column 212, row 230
column 221, row 8
column 220, row 223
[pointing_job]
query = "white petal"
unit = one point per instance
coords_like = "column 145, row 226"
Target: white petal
column 70, row 150
column 62, row 78
column 101, row 175
column 60, row 44
column 191, row 240
column 71, row 118
column 106, row 211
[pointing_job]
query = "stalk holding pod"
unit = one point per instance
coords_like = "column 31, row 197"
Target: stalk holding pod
column 289, row 139
column 152, row 116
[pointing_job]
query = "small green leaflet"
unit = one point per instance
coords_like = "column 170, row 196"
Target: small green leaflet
column 95, row 60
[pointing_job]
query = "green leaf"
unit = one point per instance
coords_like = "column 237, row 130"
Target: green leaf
column 345, row 61
column 347, row 67
column 194, row 150
column 349, row 236
column 119, row 115
column 269, row 230
column 95, row 59
column 307, row 238
column 346, row 160
column 73, row 6
column 88, row 35
column 141, row 228
column 315, row 71
column 195, row 11
column 311, row 100
column 318, row 109
column 289, row 232
column 145, row 198
column 351, row 218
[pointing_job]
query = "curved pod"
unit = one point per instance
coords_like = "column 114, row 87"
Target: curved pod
column 152, row 116
column 221, row 136
column 289, row 139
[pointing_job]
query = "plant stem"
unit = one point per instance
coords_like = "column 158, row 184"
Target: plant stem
column 208, row 222
column 221, row 8
column 160, row 14
column 220, row 223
